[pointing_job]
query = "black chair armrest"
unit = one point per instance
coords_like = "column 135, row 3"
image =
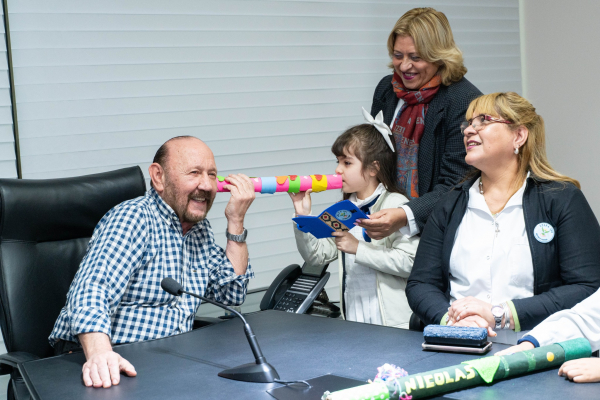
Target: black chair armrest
column 415, row 323
column 200, row 322
column 10, row 361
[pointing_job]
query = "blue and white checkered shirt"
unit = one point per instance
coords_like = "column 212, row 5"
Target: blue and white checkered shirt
column 117, row 287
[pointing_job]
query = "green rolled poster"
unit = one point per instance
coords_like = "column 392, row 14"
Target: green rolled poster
column 377, row 391
column 483, row 370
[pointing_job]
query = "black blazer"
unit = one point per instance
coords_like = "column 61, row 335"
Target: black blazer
column 566, row 270
column 442, row 153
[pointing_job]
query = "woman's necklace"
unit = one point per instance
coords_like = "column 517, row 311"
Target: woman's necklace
column 494, row 214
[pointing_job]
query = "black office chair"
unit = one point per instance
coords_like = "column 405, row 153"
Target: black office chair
column 415, row 323
column 45, row 226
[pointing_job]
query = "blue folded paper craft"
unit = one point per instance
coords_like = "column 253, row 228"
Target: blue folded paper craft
column 338, row 217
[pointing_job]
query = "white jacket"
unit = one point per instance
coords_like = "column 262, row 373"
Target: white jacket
column 392, row 258
column 583, row 320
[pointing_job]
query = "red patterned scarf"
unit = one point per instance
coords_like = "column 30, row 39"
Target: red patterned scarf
column 408, row 129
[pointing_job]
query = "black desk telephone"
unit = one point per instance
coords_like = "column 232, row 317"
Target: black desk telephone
column 296, row 288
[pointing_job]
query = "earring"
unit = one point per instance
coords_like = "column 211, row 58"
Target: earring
column 517, row 150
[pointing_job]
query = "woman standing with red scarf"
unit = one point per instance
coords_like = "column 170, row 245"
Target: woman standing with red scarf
column 424, row 101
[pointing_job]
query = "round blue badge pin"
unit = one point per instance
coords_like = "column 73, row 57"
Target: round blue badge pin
column 343, row 215
column 543, row 232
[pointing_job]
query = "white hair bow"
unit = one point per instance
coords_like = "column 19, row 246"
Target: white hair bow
column 381, row 126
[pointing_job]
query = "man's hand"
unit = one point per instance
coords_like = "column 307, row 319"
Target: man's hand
column 103, row 366
column 345, row 242
column 470, row 305
column 104, row 369
column 302, row 202
column 242, row 196
column 581, row 370
column 516, row 349
column 383, row 223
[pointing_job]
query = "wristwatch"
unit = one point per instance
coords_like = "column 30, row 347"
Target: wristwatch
column 498, row 313
column 241, row 238
column 507, row 314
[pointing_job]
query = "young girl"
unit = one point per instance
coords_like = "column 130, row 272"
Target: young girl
column 373, row 273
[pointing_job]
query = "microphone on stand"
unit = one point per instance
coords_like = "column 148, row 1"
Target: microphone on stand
column 261, row 370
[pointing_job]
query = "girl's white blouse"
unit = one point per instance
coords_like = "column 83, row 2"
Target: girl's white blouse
column 360, row 295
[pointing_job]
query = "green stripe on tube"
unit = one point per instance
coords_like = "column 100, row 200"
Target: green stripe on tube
column 576, row 348
column 294, row 185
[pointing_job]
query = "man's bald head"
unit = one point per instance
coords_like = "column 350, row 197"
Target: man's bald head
column 163, row 151
column 184, row 174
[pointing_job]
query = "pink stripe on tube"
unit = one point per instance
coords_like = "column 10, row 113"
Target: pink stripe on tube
column 257, row 184
column 305, row 183
column 283, row 187
column 256, row 181
column 220, row 184
column 334, row 182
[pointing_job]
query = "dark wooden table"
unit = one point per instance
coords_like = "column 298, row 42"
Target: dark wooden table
column 298, row 346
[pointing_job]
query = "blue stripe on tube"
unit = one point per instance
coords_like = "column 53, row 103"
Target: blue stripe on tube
column 269, row 185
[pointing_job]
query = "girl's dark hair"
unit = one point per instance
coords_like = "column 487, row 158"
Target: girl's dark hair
column 368, row 145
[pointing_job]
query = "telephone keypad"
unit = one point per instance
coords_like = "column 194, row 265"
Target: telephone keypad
column 290, row 302
column 295, row 296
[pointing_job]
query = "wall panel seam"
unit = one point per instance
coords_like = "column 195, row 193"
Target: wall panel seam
column 12, row 90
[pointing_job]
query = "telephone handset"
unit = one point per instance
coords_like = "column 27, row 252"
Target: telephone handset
column 295, row 289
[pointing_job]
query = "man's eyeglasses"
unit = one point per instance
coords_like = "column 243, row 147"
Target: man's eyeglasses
column 477, row 122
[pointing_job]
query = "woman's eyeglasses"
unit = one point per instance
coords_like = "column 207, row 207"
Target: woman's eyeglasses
column 477, row 122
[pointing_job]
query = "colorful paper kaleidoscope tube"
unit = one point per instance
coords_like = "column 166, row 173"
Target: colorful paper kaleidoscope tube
column 290, row 183
column 473, row 373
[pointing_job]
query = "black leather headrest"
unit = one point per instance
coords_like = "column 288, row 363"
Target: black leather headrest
column 61, row 209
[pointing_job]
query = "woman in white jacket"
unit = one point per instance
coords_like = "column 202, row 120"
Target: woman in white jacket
column 373, row 273
column 583, row 320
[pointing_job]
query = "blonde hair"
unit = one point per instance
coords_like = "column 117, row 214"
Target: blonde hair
column 434, row 41
column 532, row 155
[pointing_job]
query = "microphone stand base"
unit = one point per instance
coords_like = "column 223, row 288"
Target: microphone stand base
column 263, row 373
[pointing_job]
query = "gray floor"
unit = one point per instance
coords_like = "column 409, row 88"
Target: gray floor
column 4, row 378
column 3, row 385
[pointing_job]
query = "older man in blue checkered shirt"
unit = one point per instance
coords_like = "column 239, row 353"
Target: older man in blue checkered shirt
column 116, row 296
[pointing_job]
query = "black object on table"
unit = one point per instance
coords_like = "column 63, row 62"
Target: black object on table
column 318, row 386
column 300, row 347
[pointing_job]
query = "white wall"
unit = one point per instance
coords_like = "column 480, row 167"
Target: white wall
column 561, row 53
column 267, row 84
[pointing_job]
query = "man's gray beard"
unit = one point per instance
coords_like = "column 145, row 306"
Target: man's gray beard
column 209, row 203
column 194, row 219
column 170, row 198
